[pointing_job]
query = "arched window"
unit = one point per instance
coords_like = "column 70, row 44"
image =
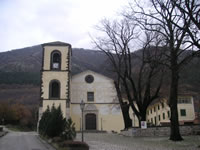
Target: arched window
column 55, row 60
column 54, row 89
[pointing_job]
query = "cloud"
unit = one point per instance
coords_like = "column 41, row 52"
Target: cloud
column 30, row 22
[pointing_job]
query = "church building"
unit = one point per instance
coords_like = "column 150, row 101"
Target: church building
column 102, row 110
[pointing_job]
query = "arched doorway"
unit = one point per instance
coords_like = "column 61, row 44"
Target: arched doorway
column 90, row 121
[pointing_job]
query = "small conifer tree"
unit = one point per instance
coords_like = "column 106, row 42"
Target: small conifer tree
column 52, row 122
column 69, row 132
column 44, row 121
column 57, row 122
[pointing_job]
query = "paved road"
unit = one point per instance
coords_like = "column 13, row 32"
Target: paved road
column 31, row 141
column 23, row 141
column 109, row 141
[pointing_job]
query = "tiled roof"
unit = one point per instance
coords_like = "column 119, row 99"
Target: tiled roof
column 56, row 43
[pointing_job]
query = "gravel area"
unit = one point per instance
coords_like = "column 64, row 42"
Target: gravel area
column 110, row 141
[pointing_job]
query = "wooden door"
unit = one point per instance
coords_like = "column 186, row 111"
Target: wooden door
column 90, row 121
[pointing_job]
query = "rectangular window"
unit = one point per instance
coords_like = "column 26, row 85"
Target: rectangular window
column 151, row 111
column 168, row 114
column 163, row 116
column 90, row 96
column 162, row 105
column 159, row 117
column 151, row 120
column 183, row 112
column 184, row 100
column 155, row 120
column 158, row 107
column 154, row 109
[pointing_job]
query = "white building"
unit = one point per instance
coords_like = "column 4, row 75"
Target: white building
column 102, row 110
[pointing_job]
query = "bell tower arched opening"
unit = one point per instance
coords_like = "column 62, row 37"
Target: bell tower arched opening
column 54, row 89
column 55, row 60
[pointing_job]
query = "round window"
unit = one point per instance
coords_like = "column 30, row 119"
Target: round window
column 89, row 78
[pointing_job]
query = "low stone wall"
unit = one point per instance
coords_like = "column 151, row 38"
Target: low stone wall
column 161, row 131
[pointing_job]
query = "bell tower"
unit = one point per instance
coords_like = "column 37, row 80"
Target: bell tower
column 55, row 77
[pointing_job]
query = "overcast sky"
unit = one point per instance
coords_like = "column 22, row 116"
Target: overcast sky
column 30, row 22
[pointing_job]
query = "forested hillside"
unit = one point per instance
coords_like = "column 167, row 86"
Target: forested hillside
column 20, row 72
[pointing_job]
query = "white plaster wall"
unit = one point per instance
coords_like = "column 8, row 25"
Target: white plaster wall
column 62, row 76
column 106, row 120
column 103, row 88
column 47, row 56
column 112, row 109
column 190, row 114
column 48, row 76
column 109, row 116
column 75, row 109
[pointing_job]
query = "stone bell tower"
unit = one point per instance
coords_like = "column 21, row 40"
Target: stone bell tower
column 55, row 77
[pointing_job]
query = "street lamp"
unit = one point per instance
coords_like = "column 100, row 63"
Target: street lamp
column 82, row 105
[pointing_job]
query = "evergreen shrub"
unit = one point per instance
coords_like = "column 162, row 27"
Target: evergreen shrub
column 52, row 123
column 69, row 133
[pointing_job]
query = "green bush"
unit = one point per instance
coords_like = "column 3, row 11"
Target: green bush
column 69, row 133
column 44, row 121
column 57, row 139
column 52, row 123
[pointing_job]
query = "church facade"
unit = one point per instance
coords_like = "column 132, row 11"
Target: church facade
column 102, row 110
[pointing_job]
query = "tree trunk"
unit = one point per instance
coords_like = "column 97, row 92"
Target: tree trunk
column 175, row 132
column 143, row 115
column 124, row 108
column 126, row 116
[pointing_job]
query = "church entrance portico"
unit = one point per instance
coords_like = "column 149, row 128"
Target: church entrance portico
column 90, row 118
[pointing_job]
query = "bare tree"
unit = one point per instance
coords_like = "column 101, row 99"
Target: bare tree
column 165, row 19
column 190, row 9
column 118, row 44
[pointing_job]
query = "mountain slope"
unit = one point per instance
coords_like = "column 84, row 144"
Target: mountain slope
column 29, row 60
column 22, row 66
